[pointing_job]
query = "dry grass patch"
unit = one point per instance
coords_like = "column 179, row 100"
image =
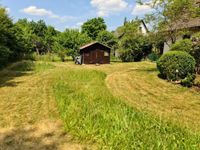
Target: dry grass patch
column 29, row 119
column 46, row 135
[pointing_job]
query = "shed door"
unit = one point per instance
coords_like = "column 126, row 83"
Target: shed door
column 100, row 56
column 93, row 57
column 97, row 56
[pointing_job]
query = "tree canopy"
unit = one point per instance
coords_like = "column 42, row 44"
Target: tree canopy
column 93, row 27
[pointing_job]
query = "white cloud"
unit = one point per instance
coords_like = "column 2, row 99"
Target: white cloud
column 33, row 10
column 8, row 10
column 79, row 24
column 142, row 9
column 107, row 7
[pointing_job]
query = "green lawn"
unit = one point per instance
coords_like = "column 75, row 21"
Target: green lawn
column 92, row 113
column 117, row 106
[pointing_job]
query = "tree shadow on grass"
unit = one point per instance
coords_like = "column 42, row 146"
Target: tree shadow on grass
column 24, row 139
column 46, row 135
column 13, row 71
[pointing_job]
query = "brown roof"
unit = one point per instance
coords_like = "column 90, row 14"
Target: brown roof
column 93, row 43
column 192, row 23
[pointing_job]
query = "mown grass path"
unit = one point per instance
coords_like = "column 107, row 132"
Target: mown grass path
column 105, row 118
column 142, row 89
column 29, row 119
column 103, row 105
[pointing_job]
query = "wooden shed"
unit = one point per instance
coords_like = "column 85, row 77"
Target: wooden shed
column 95, row 53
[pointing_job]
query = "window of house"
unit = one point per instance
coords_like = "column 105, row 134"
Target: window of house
column 187, row 36
column 140, row 29
column 106, row 54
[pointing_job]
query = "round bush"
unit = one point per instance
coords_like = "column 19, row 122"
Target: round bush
column 182, row 45
column 176, row 65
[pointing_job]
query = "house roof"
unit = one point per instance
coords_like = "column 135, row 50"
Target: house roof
column 93, row 43
column 192, row 23
column 119, row 35
column 144, row 24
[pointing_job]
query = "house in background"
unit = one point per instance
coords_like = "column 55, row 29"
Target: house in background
column 143, row 28
column 192, row 26
column 120, row 32
column 95, row 53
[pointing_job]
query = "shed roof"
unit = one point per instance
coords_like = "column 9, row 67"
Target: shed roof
column 93, row 43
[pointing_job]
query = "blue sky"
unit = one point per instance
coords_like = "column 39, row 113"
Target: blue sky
column 72, row 13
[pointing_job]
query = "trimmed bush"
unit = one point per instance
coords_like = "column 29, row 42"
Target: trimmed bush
column 176, row 66
column 188, row 81
column 182, row 45
column 153, row 57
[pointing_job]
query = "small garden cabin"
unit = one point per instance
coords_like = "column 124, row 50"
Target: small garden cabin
column 95, row 53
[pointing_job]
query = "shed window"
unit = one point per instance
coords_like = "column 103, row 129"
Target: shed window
column 106, row 54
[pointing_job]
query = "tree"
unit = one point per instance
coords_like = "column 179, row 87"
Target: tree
column 125, row 21
column 50, row 36
column 71, row 40
column 133, row 44
column 7, row 37
column 170, row 15
column 93, row 27
column 135, row 48
column 107, row 38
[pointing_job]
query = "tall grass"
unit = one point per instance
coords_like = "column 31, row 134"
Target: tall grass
column 27, row 65
column 90, row 112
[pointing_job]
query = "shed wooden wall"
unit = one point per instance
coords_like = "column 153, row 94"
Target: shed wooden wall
column 95, row 54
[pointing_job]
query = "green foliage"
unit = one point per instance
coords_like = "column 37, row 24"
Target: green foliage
column 87, row 106
column 4, row 55
column 133, row 45
column 188, row 81
column 170, row 15
column 126, row 55
column 157, row 41
column 176, row 65
column 71, row 40
column 22, row 66
column 93, row 27
column 196, row 50
column 135, row 48
column 10, row 39
column 153, row 56
column 182, row 45
column 107, row 38
column 42, row 66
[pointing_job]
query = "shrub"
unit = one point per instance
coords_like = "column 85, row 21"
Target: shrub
column 22, row 66
column 176, row 66
column 135, row 48
column 4, row 55
column 189, row 80
column 126, row 55
column 153, row 57
column 182, row 45
column 196, row 50
column 196, row 54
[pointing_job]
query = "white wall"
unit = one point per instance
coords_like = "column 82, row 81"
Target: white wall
column 168, row 44
column 144, row 31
